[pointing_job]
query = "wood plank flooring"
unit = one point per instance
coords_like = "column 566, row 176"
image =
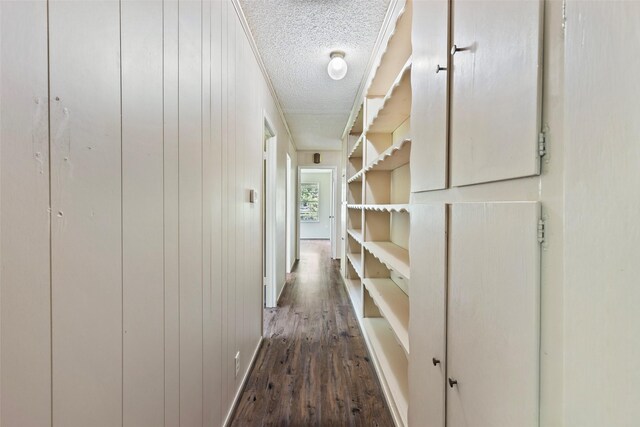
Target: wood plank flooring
column 313, row 368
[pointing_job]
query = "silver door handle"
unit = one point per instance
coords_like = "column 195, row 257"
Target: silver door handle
column 455, row 49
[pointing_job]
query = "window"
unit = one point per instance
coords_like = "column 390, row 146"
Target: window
column 309, row 202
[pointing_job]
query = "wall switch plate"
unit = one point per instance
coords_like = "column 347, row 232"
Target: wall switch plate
column 253, row 196
column 237, row 358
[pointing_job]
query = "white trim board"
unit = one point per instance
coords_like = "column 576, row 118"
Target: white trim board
column 243, row 383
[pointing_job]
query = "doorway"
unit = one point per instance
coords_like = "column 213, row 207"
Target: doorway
column 317, row 204
column 269, row 168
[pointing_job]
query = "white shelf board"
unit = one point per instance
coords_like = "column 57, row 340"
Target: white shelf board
column 356, row 150
column 396, row 52
column 354, row 289
column 391, row 255
column 396, row 107
column 354, row 206
column 356, row 177
column 392, row 158
column 390, row 361
column 356, row 234
column 394, row 306
column 356, row 261
column 387, row 208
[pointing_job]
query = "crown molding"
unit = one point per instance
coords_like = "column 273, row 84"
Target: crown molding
column 263, row 68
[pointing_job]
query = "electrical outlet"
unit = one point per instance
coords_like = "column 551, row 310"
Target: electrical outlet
column 237, row 363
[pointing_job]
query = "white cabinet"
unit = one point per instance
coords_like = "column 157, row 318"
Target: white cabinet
column 429, row 101
column 493, row 315
column 495, row 100
column 427, row 325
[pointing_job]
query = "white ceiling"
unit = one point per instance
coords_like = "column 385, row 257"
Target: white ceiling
column 295, row 38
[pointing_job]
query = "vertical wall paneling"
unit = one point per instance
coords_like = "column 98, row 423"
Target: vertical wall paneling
column 211, row 216
column 427, row 325
column 171, row 216
column 239, row 191
column 190, row 198
column 213, row 332
column 205, row 156
column 429, row 103
column 129, row 274
column 25, row 362
column 142, row 213
column 231, row 198
column 493, row 321
column 224, row 169
column 496, row 74
column 86, row 212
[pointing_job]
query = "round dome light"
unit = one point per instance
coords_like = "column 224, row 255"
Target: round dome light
column 337, row 67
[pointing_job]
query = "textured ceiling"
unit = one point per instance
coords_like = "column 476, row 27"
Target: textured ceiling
column 295, row 38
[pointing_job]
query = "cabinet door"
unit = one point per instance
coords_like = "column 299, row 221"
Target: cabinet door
column 427, row 315
column 493, row 315
column 495, row 90
column 429, row 101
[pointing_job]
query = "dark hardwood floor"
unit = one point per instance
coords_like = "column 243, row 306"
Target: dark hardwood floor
column 313, row 368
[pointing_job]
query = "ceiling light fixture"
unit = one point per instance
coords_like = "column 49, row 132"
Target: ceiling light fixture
column 337, row 67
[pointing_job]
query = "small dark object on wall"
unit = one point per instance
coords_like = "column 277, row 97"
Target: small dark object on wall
column 316, row 158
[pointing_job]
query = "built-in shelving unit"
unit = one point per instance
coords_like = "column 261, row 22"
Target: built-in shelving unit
column 377, row 274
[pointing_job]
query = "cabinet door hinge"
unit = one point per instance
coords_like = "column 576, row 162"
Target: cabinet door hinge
column 541, row 230
column 542, row 144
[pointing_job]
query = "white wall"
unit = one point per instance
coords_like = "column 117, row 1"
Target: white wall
column 602, row 205
column 322, row 228
column 127, row 303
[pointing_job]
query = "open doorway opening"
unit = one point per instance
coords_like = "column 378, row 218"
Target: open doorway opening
column 316, row 204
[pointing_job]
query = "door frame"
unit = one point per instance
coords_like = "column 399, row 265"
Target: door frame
column 332, row 211
column 270, row 299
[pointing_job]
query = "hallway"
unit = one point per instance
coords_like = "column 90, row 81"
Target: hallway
column 313, row 368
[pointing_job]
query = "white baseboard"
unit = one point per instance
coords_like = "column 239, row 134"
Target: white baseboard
column 236, row 399
column 280, row 294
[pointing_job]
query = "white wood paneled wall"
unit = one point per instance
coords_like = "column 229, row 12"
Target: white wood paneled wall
column 130, row 135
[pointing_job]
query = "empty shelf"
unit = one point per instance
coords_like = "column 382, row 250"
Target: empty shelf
column 354, row 289
column 392, row 158
column 390, row 361
column 356, row 150
column 356, row 177
column 394, row 306
column 396, row 107
column 386, row 208
column 391, row 255
column 356, row 262
column 356, row 234
column 397, row 51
